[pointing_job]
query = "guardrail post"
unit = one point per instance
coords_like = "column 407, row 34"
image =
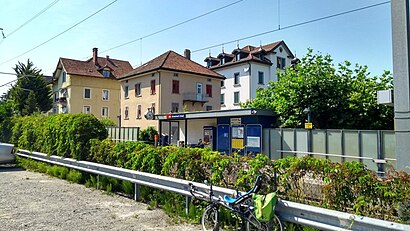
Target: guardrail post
column 98, row 180
column 136, row 192
column 187, row 202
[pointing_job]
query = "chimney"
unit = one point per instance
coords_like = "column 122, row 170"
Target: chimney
column 95, row 56
column 187, row 54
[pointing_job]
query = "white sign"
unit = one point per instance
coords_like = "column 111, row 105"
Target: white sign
column 253, row 141
column 235, row 121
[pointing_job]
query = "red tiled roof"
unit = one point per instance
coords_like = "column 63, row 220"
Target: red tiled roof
column 88, row 68
column 171, row 60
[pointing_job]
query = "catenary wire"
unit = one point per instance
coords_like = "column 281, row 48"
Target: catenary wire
column 32, row 18
column 294, row 25
column 173, row 26
column 52, row 38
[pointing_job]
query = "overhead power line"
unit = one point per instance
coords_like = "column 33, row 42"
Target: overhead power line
column 78, row 23
column 32, row 18
column 173, row 26
column 294, row 25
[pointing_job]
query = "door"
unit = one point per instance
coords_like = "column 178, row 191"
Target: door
column 199, row 91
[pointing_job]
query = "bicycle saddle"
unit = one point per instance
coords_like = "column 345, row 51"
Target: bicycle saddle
column 247, row 195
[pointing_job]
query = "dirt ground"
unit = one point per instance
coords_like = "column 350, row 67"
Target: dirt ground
column 33, row 201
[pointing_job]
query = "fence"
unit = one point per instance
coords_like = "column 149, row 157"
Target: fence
column 120, row 134
column 323, row 219
column 341, row 145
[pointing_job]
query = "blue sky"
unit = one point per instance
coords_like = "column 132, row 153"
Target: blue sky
column 362, row 37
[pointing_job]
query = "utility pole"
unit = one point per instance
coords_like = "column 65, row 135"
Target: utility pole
column 401, row 74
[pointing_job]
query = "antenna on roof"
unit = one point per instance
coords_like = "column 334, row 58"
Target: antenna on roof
column 223, row 48
column 209, row 52
column 260, row 43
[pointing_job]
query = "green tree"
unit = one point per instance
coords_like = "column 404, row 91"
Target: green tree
column 30, row 93
column 6, row 114
column 337, row 98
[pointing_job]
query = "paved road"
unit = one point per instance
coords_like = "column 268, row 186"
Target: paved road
column 33, row 201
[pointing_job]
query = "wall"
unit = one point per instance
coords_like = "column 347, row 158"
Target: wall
column 355, row 143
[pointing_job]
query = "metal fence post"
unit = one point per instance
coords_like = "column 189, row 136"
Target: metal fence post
column 98, row 180
column 187, row 202
column 136, row 192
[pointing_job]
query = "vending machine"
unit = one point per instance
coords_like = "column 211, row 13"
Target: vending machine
column 209, row 137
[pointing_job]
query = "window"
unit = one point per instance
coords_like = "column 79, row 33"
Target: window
column 55, row 97
column 138, row 111
column 106, row 73
column 105, row 95
column 87, row 109
column 104, row 112
column 126, row 91
column 238, row 56
column 222, row 99
column 153, row 108
column 175, row 74
column 175, row 86
column 222, row 83
column 138, row 89
column 175, row 107
column 281, row 63
column 153, row 87
column 261, row 78
column 126, row 113
column 209, row 90
column 236, row 97
column 87, row 93
column 64, row 77
column 208, row 108
column 222, row 61
column 236, row 78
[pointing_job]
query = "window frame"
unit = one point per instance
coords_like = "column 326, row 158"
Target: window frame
column 126, row 112
column 138, row 90
column 236, row 79
column 84, row 111
column 105, row 72
column 208, row 90
column 108, row 95
column 64, row 78
column 87, row 88
column 126, row 92
column 222, row 99
column 139, row 112
column 259, row 77
column 172, row 107
column 236, row 95
column 282, row 63
column 153, row 86
column 102, row 112
column 175, row 86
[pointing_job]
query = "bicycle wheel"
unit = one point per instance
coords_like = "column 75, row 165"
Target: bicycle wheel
column 273, row 225
column 210, row 218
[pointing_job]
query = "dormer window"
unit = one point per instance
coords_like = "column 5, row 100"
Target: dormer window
column 222, row 61
column 209, row 63
column 238, row 56
column 106, row 73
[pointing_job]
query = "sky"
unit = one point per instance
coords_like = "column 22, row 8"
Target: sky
column 362, row 37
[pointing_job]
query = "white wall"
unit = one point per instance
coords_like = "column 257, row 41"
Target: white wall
column 229, row 89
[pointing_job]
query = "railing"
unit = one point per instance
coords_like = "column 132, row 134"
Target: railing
column 320, row 218
column 192, row 96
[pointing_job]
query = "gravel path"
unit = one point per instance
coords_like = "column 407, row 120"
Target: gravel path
column 33, row 201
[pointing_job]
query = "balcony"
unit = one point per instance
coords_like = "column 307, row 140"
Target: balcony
column 62, row 100
column 194, row 98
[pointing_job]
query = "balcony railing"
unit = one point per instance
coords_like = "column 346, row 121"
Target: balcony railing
column 193, row 97
column 62, row 100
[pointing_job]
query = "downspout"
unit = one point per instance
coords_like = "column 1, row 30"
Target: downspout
column 159, row 99
column 250, row 80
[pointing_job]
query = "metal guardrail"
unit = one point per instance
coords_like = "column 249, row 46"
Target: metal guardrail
column 320, row 218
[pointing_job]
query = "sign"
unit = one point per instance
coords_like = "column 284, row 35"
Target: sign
column 237, row 143
column 308, row 125
column 174, row 116
column 236, row 121
column 253, row 141
column 238, row 132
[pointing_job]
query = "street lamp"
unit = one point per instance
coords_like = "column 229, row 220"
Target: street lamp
column 308, row 112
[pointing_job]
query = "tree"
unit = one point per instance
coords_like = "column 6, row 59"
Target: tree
column 6, row 114
column 30, row 93
column 342, row 98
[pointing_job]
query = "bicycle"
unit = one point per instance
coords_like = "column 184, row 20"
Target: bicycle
column 242, row 206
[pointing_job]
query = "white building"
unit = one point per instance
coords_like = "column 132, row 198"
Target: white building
column 248, row 68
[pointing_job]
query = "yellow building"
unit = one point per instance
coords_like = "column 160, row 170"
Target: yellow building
column 169, row 83
column 89, row 86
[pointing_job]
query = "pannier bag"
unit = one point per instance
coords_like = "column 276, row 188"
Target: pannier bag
column 264, row 206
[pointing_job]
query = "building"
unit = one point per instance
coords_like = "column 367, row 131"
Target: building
column 247, row 69
column 89, row 86
column 169, row 83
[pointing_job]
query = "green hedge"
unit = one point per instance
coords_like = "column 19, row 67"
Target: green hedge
column 63, row 135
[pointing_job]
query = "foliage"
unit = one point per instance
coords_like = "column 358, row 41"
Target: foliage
column 31, row 93
column 6, row 113
column 63, row 134
column 148, row 134
column 107, row 122
column 337, row 98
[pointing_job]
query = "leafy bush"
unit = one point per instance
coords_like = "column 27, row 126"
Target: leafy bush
column 148, row 134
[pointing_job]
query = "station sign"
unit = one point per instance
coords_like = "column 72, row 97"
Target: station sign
column 174, row 116
column 236, row 121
